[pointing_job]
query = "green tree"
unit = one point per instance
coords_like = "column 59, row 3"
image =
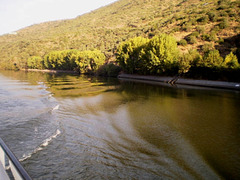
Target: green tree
column 188, row 60
column 35, row 62
column 231, row 61
column 212, row 59
column 162, row 54
column 61, row 60
column 129, row 54
column 89, row 61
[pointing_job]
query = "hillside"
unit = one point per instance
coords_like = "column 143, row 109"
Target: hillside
column 202, row 23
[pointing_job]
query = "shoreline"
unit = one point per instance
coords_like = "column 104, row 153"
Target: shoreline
column 167, row 80
column 182, row 81
column 49, row 71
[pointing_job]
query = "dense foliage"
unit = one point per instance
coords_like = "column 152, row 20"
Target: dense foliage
column 160, row 55
column 215, row 21
column 129, row 55
column 197, row 24
column 82, row 61
column 144, row 56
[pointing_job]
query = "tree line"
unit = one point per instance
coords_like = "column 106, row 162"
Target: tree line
column 80, row 61
column 161, row 56
column 157, row 56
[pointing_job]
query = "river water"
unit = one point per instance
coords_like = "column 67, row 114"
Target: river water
column 79, row 127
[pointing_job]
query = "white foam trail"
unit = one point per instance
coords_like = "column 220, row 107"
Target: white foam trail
column 41, row 146
column 56, row 107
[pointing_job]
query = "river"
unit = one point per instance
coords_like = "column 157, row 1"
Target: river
column 64, row 126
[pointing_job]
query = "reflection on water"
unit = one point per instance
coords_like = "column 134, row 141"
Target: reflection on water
column 119, row 130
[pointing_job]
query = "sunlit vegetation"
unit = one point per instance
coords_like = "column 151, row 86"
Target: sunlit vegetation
column 200, row 25
column 81, row 61
column 160, row 56
column 144, row 56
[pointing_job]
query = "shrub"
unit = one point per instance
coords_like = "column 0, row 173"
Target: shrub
column 212, row 59
column 200, row 29
column 129, row 54
column 224, row 24
column 212, row 36
column 35, row 62
column 231, row 61
column 205, row 37
column 212, row 16
column 161, row 54
column 222, row 7
column 182, row 42
column 223, row 2
column 143, row 56
column 207, row 47
column 110, row 70
column 186, row 27
column 176, row 29
column 232, row 14
column 192, row 21
column 195, row 33
column 223, row 14
column 188, row 60
column 113, row 70
column 191, row 39
column 220, row 41
column 209, row 37
column 60, row 60
column 203, row 19
column 89, row 61
column 215, row 29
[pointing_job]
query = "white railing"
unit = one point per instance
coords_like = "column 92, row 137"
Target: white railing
column 9, row 164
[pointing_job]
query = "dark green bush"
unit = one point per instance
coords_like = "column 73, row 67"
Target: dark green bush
column 195, row 33
column 188, row 60
column 182, row 42
column 223, row 14
column 223, row 2
column 220, row 41
column 212, row 16
column 191, row 39
column 209, row 37
column 223, row 24
column 203, row 19
column 110, row 70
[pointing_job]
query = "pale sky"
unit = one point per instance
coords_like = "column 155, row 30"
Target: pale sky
column 17, row 14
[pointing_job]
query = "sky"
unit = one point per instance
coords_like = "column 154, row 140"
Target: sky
column 17, row 14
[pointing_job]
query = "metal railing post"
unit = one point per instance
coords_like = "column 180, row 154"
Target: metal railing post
column 16, row 168
column 2, row 157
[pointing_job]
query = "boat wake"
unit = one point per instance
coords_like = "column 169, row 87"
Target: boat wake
column 45, row 143
column 56, row 107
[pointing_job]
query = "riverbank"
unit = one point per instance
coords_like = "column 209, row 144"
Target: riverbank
column 183, row 81
column 49, row 71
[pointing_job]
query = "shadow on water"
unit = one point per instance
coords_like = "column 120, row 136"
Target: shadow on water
column 121, row 130
column 194, row 128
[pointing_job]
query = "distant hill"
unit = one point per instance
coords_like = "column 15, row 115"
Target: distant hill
column 196, row 24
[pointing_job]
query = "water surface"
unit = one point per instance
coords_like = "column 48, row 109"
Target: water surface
column 80, row 127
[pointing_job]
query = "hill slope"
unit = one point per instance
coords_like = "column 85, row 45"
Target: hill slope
column 200, row 22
